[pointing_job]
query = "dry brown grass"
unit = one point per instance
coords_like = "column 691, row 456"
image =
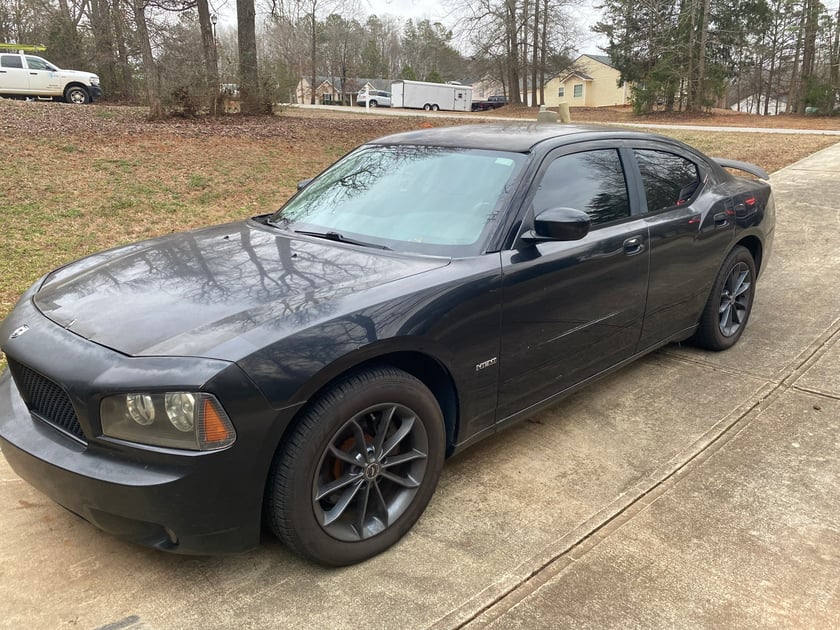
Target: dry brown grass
column 81, row 179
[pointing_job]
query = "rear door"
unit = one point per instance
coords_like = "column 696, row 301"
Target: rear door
column 14, row 78
column 691, row 227
column 572, row 309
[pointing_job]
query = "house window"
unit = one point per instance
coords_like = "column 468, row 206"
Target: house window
column 561, row 91
column 578, row 90
column 327, row 97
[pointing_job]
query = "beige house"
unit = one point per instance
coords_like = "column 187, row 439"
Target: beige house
column 591, row 81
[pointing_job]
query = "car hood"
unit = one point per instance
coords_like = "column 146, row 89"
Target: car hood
column 200, row 293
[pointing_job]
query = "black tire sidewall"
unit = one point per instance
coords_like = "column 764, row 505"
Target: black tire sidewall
column 301, row 454
column 709, row 334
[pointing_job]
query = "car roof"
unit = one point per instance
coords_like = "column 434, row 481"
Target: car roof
column 520, row 138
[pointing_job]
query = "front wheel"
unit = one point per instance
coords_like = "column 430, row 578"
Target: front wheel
column 76, row 95
column 374, row 104
column 358, row 469
column 427, row 107
column 729, row 305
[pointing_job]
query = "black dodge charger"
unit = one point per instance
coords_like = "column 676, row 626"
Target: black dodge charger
column 311, row 369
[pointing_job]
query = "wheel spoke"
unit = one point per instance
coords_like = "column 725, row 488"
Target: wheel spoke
column 361, row 512
column 346, row 498
column 406, row 482
column 334, row 486
column 403, row 458
column 383, row 503
column 359, row 436
column 382, row 429
column 344, row 455
column 405, row 428
column 725, row 317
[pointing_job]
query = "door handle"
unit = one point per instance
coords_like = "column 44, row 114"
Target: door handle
column 634, row 245
column 721, row 219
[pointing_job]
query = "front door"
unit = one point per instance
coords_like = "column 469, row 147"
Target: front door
column 572, row 309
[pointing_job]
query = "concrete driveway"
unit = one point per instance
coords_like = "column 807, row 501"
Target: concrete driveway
column 689, row 489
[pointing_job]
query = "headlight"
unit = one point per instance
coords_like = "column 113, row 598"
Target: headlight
column 186, row 420
column 94, row 80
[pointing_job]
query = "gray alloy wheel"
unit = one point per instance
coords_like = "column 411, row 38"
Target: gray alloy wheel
column 373, row 103
column 358, row 468
column 729, row 305
column 76, row 95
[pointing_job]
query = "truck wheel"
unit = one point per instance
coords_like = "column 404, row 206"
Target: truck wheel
column 427, row 107
column 435, row 107
column 76, row 95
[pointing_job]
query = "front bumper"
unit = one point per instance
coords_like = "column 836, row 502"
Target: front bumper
column 179, row 501
column 95, row 93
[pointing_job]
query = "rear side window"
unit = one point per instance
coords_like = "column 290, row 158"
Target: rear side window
column 11, row 61
column 670, row 180
column 592, row 181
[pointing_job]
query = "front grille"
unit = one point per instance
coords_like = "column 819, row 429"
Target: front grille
column 46, row 400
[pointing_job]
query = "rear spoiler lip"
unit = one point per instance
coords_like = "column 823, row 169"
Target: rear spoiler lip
column 752, row 169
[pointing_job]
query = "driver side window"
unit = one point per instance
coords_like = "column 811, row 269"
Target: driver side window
column 592, row 181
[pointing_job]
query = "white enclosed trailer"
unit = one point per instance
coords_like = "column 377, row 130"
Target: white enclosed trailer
column 431, row 96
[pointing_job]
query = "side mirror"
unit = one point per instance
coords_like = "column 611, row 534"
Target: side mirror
column 559, row 224
column 303, row 183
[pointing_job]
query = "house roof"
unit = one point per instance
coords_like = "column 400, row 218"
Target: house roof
column 574, row 73
column 604, row 59
column 353, row 83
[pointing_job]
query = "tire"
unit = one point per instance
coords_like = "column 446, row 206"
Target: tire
column 337, row 504
column 76, row 95
column 729, row 305
column 435, row 107
column 427, row 107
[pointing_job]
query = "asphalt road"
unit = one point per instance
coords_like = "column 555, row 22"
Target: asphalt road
column 690, row 489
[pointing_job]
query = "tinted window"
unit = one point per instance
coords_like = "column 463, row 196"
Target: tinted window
column 669, row 180
column 11, row 61
column 592, row 181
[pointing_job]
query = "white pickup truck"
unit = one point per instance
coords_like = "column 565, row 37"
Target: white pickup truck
column 28, row 76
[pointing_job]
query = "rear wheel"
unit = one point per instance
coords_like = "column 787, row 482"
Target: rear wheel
column 358, row 469
column 728, row 309
column 435, row 107
column 427, row 107
column 76, row 95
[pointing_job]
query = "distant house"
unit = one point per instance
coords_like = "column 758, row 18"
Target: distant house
column 485, row 87
column 590, row 81
column 330, row 90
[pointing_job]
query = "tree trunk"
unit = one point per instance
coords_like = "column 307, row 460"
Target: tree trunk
column 701, row 57
column 208, row 49
column 535, row 57
column 313, row 52
column 249, row 81
column 812, row 9
column 156, row 111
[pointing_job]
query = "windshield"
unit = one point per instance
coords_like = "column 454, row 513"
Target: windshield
column 429, row 200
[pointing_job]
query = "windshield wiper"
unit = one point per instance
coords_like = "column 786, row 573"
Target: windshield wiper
column 336, row 236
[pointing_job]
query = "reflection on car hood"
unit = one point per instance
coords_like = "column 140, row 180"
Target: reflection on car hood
column 199, row 293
